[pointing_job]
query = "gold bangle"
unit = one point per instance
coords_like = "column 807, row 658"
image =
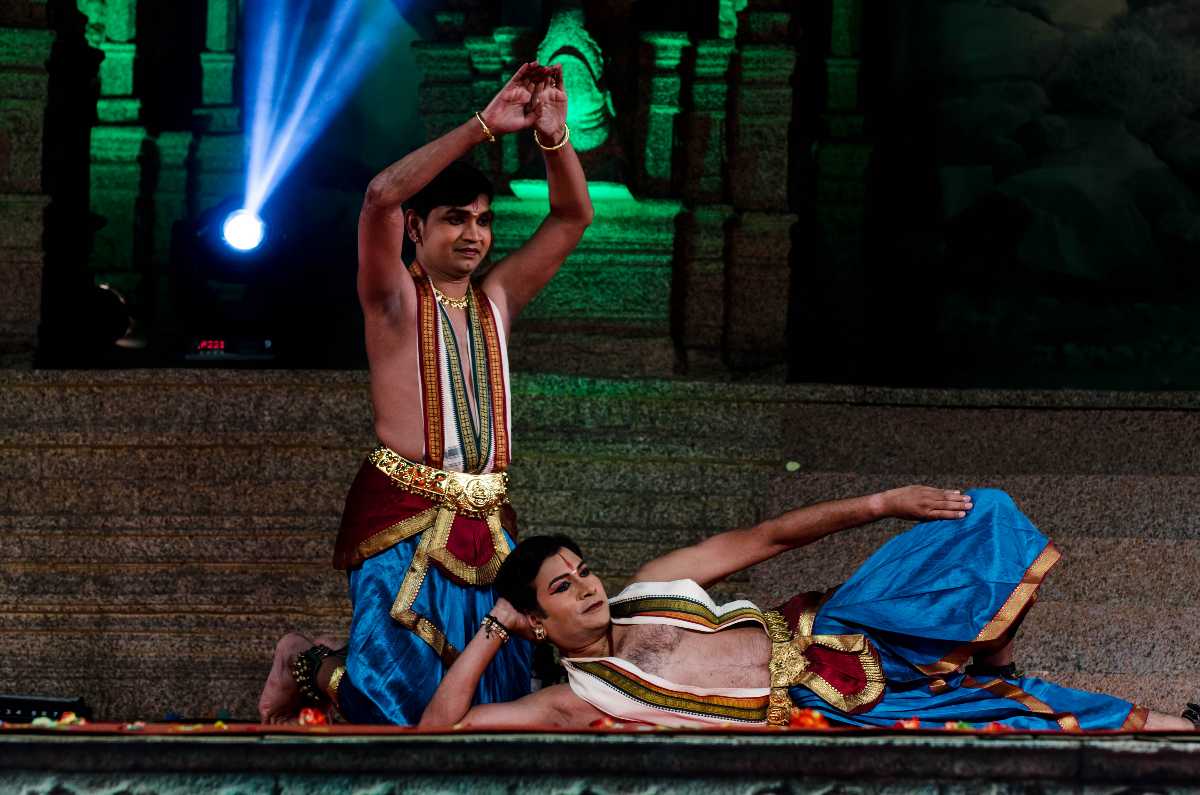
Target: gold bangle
column 335, row 679
column 487, row 133
column 557, row 146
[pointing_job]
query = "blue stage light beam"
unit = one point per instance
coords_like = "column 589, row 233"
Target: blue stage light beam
column 304, row 59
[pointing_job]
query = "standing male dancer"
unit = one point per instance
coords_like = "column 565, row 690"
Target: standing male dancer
column 427, row 521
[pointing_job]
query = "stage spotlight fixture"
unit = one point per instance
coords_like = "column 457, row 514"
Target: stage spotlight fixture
column 243, row 230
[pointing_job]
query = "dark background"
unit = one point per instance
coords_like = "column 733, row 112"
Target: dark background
column 1031, row 197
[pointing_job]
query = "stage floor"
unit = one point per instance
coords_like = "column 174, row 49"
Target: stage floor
column 251, row 759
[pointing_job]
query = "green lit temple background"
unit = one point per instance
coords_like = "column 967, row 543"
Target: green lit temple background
column 806, row 191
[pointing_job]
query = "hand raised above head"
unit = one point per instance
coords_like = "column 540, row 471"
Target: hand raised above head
column 925, row 503
column 548, row 106
column 509, row 109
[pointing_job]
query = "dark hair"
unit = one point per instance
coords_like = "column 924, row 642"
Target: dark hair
column 459, row 183
column 514, row 580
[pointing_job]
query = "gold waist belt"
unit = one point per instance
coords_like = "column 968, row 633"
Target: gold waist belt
column 790, row 667
column 469, row 495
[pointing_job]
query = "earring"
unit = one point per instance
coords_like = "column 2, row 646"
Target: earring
column 539, row 632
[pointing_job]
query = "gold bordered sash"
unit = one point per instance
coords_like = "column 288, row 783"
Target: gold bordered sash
column 683, row 610
column 488, row 376
column 431, row 379
column 623, row 678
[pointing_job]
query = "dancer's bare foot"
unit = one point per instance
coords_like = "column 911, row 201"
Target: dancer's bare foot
column 280, row 699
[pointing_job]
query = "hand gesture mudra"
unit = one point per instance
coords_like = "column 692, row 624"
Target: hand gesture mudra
column 548, row 106
column 509, row 110
column 533, row 97
column 925, row 503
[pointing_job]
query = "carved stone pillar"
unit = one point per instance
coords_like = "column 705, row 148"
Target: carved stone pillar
column 487, row 64
column 762, row 117
column 842, row 160
column 514, row 45
column 758, row 287
column 700, row 270
column 705, row 134
column 218, row 150
column 23, row 95
column 446, row 76
column 115, row 176
column 117, row 141
column 758, row 271
column 701, row 278
column 664, row 52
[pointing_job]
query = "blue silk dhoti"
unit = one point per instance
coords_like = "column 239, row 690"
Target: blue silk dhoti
column 931, row 598
column 392, row 672
column 420, row 575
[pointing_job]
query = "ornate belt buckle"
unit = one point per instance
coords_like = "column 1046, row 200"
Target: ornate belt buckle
column 472, row 493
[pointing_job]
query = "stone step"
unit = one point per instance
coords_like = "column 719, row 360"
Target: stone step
column 824, row 428
column 54, row 586
column 1000, row 440
column 166, row 527
column 1114, row 655
column 1098, row 505
column 540, row 466
column 337, row 403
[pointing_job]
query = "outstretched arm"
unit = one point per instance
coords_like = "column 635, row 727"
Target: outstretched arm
column 715, row 558
column 381, row 276
column 515, row 281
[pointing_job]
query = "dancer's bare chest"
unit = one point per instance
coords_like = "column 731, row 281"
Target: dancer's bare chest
column 735, row 657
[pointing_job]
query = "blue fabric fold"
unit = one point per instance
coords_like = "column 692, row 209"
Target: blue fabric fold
column 932, row 590
column 391, row 673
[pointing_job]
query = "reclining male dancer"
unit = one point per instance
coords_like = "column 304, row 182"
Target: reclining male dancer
column 887, row 645
column 427, row 521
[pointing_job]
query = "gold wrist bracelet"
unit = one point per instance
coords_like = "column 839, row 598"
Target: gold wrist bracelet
column 487, row 133
column 335, row 679
column 557, row 146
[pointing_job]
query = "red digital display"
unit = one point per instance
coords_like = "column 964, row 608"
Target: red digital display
column 210, row 345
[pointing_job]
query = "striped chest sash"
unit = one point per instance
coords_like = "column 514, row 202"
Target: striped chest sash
column 619, row 688
column 481, row 441
column 844, row 670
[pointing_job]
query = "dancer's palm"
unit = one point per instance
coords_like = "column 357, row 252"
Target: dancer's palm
column 549, row 105
column 509, row 110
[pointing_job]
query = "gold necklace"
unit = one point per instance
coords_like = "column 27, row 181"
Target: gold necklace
column 453, row 303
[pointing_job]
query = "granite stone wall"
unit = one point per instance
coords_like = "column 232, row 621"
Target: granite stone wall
column 160, row 530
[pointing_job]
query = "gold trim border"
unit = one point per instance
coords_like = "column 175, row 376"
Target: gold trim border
column 432, row 549
column 1135, row 721
column 1020, row 598
column 998, row 687
column 789, row 667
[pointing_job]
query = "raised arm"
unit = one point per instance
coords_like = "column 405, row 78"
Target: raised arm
column 518, row 277
column 381, row 277
column 715, row 558
column 451, row 704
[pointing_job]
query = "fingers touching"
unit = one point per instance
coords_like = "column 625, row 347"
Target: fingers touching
column 948, row 504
